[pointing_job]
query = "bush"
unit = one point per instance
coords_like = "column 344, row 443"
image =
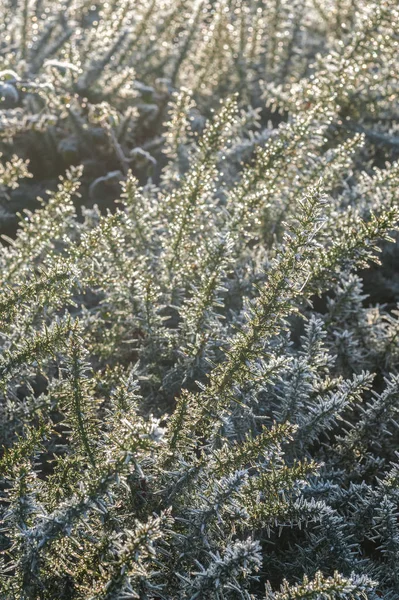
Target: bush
column 198, row 399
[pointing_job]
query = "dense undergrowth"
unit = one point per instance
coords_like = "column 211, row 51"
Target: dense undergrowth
column 198, row 398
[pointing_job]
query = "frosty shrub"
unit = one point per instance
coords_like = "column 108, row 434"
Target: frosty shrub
column 198, row 399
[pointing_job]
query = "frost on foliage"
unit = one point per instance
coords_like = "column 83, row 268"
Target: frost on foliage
column 198, row 395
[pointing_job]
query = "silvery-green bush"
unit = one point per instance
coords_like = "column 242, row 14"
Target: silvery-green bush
column 198, row 398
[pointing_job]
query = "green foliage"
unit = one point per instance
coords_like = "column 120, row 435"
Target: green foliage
column 198, row 399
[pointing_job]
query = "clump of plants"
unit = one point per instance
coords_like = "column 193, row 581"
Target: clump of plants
column 198, row 398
